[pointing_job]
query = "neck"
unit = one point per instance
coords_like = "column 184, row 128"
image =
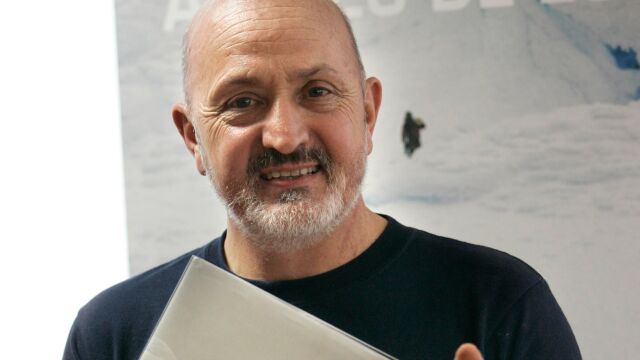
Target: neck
column 351, row 237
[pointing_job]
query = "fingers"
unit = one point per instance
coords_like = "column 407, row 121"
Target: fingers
column 468, row 352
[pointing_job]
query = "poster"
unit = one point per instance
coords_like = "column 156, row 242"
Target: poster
column 527, row 114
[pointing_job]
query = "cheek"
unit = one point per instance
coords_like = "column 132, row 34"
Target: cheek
column 231, row 151
column 345, row 142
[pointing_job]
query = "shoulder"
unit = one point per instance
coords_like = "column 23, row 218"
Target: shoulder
column 152, row 285
column 121, row 318
column 486, row 278
column 482, row 263
column 506, row 295
column 465, row 261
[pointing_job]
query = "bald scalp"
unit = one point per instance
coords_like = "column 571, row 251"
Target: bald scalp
column 202, row 22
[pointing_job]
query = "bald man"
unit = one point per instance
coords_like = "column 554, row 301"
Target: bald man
column 279, row 115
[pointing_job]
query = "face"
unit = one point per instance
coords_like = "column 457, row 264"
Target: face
column 282, row 118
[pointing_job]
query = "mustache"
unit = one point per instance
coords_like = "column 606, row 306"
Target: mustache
column 272, row 157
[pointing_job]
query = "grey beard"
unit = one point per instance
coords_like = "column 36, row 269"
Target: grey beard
column 296, row 222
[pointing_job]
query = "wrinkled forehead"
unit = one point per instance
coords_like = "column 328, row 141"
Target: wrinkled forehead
column 267, row 28
column 247, row 12
column 227, row 25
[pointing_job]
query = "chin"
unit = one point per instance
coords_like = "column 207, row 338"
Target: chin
column 295, row 222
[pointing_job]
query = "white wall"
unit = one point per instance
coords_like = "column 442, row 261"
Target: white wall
column 62, row 211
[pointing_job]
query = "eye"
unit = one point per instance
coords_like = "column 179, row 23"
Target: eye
column 317, row 92
column 241, row 103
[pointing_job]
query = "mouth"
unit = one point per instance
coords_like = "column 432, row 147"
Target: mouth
column 288, row 173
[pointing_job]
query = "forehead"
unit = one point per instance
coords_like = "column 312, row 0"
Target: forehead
column 298, row 34
column 269, row 25
column 269, row 20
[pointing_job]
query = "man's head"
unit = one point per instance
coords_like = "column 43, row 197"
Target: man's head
column 278, row 115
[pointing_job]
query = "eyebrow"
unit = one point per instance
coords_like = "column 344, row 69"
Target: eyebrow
column 231, row 81
column 239, row 80
column 308, row 73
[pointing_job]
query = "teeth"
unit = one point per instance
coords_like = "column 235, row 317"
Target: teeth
column 293, row 173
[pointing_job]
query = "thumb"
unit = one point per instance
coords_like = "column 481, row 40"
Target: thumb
column 468, row 352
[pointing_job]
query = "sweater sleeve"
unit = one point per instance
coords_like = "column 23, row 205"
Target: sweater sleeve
column 534, row 327
column 71, row 348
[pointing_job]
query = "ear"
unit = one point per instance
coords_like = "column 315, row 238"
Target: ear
column 372, row 100
column 187, row 131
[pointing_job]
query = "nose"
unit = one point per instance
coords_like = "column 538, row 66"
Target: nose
column 285, row 128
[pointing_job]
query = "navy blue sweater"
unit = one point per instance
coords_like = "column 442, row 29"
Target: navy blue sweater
column 412, row 294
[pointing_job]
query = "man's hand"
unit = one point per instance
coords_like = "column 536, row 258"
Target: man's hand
column 468, row 352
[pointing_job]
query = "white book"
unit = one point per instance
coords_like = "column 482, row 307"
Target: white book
column 215, row 315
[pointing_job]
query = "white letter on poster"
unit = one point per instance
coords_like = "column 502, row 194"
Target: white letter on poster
column 394, row 8
column 448, row 5
column 176, row 13
column 488, row 4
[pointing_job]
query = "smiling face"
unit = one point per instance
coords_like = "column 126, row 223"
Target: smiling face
column 282, row 117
